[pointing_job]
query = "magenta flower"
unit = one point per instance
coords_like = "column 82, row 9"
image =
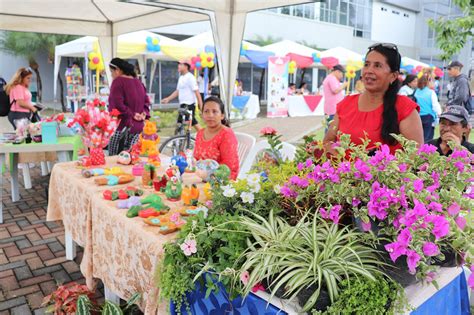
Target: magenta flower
column 427, row 149
column 430, row 249
column 395, row 250
column 355, row 202
column 363, row 171
column 420, row 209
column 435, row 206
column 403, row 167
column 380, row 199
column 459, row 165
column 404, row 238
column 324, row 213
column 300, row 166
column 424, row 167
column 344, row 167
column 258, row 287
column 412, row 260
column 440, row 225
column 288, row 192
column 418, row 185
column 454, row 209
column 334, row 214
column 366, row 226
column 470, row 281
column 300, row 182
column 382, row 158
column 460, row 222
column 309, row 163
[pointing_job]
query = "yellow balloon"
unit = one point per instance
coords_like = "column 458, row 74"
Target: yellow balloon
column 211, row 64
column 245, row 46
column 203, row 56
column 420, row 74
column 155, row 41
column 292, row 63
column 211, row 55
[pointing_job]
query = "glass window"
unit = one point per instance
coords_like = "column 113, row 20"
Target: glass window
column 285, row 10
column 169, row 78
column 257, row 76
column 309, row 11
column 244, row 74
column 298, row 10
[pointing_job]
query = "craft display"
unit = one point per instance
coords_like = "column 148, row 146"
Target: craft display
column 138, row 169
column 102, row 171
column 149, row 139
column 191, row 168
column 180, row 162
column 133, row 211
column 190, row 195
column 173, row 189
column 154, row 201
column 220, row 176
column 148, row 174
column 122, row 193
column 112, row 180
column 168, row 223
column 149, row 212
column 159, row 183
column 193, row 210
column 128, row 203
column 171, row 171
column 154, row 159
column 135, row 153
column 124, row 158
column 96, row 126
column 205, row 168
column 207, row 189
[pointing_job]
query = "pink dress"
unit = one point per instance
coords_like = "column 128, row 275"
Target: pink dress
column 222, row 148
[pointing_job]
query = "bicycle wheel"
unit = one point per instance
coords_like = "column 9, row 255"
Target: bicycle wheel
column 176, row 145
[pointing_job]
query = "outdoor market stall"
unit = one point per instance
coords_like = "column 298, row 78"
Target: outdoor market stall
column 245, row 107
column 305, row 105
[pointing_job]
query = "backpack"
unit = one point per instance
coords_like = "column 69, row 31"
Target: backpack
column 4, row 99
column 412, row 96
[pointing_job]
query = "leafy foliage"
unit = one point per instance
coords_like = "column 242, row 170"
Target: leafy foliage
column 452, row 35
column 220, row 239
column 64, row 299
column 85, row 307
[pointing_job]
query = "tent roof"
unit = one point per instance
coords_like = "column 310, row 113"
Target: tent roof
column 342, row 54
column 88, row 17
column 408, row 61
column 287, row 46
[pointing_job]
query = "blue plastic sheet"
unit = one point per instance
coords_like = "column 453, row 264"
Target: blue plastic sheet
column 453, row 299
column 219, row 304
column 258, row 58
column 240, row 102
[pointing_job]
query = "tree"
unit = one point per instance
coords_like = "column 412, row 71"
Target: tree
column 452, row 35
column 29, row 46
column 263, row 41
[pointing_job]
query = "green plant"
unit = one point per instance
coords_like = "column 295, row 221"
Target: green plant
column 64, row 299
column 216, row 242
column 313, row 254
column 85, row 307
column 366, row 296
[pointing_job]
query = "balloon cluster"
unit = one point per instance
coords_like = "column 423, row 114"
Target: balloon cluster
column 316, row 57
column 357, row 64
column 203, row 60
column 243, row 49
column 153, row 44
column 95, row 61
column 292, row 67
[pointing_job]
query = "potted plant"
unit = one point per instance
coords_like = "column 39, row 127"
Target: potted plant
column 64, row 299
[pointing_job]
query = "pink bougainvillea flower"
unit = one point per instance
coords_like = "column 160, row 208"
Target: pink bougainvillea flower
column 427, row 149
column 430, row 249
column 268, row 131
column 366, row 226
column 403, row 167
column 288, row 192
column 418, row 185
column 470, row 281
column 258, row 287
column 355, row 202
column 460, row 222
column 454, row 209
column 412, row 260
column 440, row 225
column 334, row 214
column 344, row 167
column 424, row 167
column 405, row 237
column 244, row 277
column 395, row 250
column 324, row 213
column 363, row 170
column 189, row 247
column 435, row 206
column 430, row 276
column 420, row 209
column 381, row 158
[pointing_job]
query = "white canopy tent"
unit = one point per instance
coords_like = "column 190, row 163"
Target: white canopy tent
column 342, row 54
column 285, row 47
column 131, row 45
column 109, row 18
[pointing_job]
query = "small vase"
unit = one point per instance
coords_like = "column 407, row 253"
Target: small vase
column 97, row 156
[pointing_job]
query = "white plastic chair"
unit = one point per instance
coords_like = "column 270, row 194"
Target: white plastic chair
column 245, row 144
column 288, row 152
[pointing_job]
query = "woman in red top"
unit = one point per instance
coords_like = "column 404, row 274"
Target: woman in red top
column 217, row 141
column 378, row 112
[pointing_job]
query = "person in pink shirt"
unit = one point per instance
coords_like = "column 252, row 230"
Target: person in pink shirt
column 333, row 91
column 217, row 141
column 20, row 96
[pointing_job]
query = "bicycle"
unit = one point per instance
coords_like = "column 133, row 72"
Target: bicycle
column 182, row 140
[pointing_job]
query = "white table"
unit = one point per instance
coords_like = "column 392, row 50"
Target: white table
column 297, row 107
column 64, row 153
column 251, row 110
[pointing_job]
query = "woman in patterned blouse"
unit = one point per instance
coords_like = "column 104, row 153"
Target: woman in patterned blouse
column 217, row 141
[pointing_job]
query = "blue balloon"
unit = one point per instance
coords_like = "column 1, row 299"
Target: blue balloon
column 210, row 49
column 149, row 39
column 149, row 47
column 242, row 51
column 408, row 68
column 157, row 48
column 198, row 64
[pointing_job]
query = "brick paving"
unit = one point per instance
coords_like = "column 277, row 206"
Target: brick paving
column 32, row 252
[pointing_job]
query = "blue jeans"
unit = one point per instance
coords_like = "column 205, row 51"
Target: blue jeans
column 428, row 129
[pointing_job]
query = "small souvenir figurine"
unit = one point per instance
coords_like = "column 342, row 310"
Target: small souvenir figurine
column 128, row 203
column 135, row 153
column 190, row 195
column 205, row 168
column 180, row 162
column 124, row 158
column 173, row 189
column 149, row 139
column 171, row 171
column 148, row 175
column 207, row 189
column 102, row 171
column 138, row 169
column 133, row 211
column 160, row 183
column 113, row 180
column 154, row 201
column 191, row 168
column 154, row 159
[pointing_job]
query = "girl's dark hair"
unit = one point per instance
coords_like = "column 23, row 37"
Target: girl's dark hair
column 217, row 100
column 390, row 114
column 302, row 84
column 409, row 79
column 126, row 67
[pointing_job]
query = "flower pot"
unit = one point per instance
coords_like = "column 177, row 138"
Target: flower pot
column 450, row 259
column 322, row 303
column 398, row 271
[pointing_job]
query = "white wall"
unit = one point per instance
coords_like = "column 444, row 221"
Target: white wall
column 393, row 24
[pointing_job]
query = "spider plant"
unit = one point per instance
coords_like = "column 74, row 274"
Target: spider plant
column 312, row 254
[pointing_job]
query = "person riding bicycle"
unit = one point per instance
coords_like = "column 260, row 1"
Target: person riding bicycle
column 187, row 92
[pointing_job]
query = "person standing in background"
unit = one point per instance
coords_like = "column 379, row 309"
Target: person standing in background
column 409, row 86
column 20, row 96
column 459, row 93
column 333, row 91
column 200, row 82
column 429, row 108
